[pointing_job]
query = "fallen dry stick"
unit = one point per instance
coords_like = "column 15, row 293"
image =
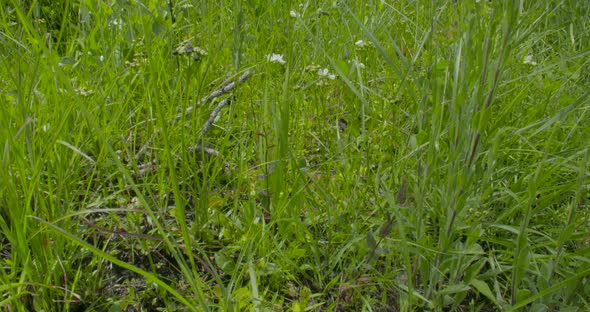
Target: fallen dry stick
column 226, row 87
column 211, row 119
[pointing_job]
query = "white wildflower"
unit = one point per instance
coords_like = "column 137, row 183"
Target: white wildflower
column 529, row 60
column 134, row 63
column 361, row 44
column 116, row 23
column 359, row 64
column 275, row 58
column 324, row 73
column 293, row 13
column 83, row 91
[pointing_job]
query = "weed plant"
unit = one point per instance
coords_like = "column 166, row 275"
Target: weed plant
column 294, row 156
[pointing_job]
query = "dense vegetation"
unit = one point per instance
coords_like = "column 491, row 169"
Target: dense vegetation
column 314, row 156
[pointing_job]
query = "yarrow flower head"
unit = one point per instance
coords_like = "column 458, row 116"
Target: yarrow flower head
column 83, row 91
column 529, row 60
column 362, row 45
column 358, row 64
column 324, row 73
column 275, row 58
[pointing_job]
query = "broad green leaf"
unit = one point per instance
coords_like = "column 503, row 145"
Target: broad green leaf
column 453, row 289
column 343, row 66
column 371, row 240
column 483, row 288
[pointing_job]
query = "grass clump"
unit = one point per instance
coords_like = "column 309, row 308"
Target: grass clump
column 326, row 156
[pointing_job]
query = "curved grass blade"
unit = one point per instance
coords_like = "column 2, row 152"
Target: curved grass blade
column 149, row 276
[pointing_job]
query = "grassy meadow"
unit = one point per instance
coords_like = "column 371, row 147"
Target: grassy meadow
column 330, row 155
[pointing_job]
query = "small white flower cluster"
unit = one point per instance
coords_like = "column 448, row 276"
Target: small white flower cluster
column 363, row 45
column 82, row 91
column 295, row 14
column 135, row 63
column 116, row 23
column 275, row 58
column 358, row 64
column 529, row 60
column 324, row 73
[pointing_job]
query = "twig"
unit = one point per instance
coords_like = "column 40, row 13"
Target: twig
column 141, row 153
column 211, row 119
column 226, row 87
column 211, row 152
column 121, row 233
column 144, row 169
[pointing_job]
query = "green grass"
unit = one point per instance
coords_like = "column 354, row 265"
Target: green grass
column 405, row 156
